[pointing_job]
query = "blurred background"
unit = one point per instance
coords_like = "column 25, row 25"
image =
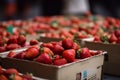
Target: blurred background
column 25, row 9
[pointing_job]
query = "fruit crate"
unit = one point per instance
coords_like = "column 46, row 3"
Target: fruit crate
column 111, row 63
column 79, row 70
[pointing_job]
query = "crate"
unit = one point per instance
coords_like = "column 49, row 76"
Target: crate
column 112, row 59
column 84, row 69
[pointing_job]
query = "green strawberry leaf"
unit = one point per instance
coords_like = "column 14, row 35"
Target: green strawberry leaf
column 10, row 29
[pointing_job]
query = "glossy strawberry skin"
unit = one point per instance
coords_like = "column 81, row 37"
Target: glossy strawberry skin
column 69, row 55
column 60, row 62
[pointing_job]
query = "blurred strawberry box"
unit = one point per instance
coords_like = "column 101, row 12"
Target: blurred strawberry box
column 62, row 60
column 111, row 64
column 81, row 69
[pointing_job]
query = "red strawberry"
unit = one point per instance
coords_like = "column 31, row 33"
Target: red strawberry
column 12, row 40
column 2, row 77
column 117, row 33
column 56, row 57
column 57, row 49
column 97, row 39
column 33, row 42
column 12, row 46
column 85, row 53
column 69, row 55
column 60, row 62
column 2, row 49
column 75, row 46
column 92, row 53
column 21, row 39
column 49, row 45
column 31, row 53
column 11, row 54
column 20, row 55
column 46, row 50
column 112, row 38
column 67, row 43
column 44, row 58
column 10, row 71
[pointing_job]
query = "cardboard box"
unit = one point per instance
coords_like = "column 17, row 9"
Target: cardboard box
column 84, row 69
column 112, row 59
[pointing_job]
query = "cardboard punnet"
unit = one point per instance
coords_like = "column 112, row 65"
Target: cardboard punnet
column 89, row 68
column 112, row 59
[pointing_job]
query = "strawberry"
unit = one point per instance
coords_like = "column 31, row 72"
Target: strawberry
column 44, row 58
column 31, row 53
column 10, row 71
column 57, row 49
column 49, row 45
column 69, row 55
column 2, row 77
column 117, row 33
column 75, row 46
column 112, row 38
column 2, row 49
column 97, row 39
column 56, row 57
column 12, row 40
column 60, row 62
column 67, row 43
column 33, row 42
column 85, row 53
column 20, row 55
column 11, row 54
column 12, row 46
column 46, row 50
column 21, row 39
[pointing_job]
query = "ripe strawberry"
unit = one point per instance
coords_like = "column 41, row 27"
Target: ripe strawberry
column 69, row 55
column 20, row 55
column 92, row 53
column 60, row 62
column 117, row 33
column 97, row 39
column 21, row 39
column 10, row 71
column 33, row 42
column 2, row 49
column 2, row 77
column 46, row 50
column 12, row 46
column 55, row 57
column 67, row 43
column 11, row 54
column 12, row 40
column 44, row 58
column 75, row 46
column 49, row 45
column 31, row 53
column 112, row 38
column 85, row 53
column 57, row 49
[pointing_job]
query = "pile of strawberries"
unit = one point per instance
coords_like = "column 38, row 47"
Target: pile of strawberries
column 15, row 42
column 113, row 38
column 13, row 74
column 55, row 53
